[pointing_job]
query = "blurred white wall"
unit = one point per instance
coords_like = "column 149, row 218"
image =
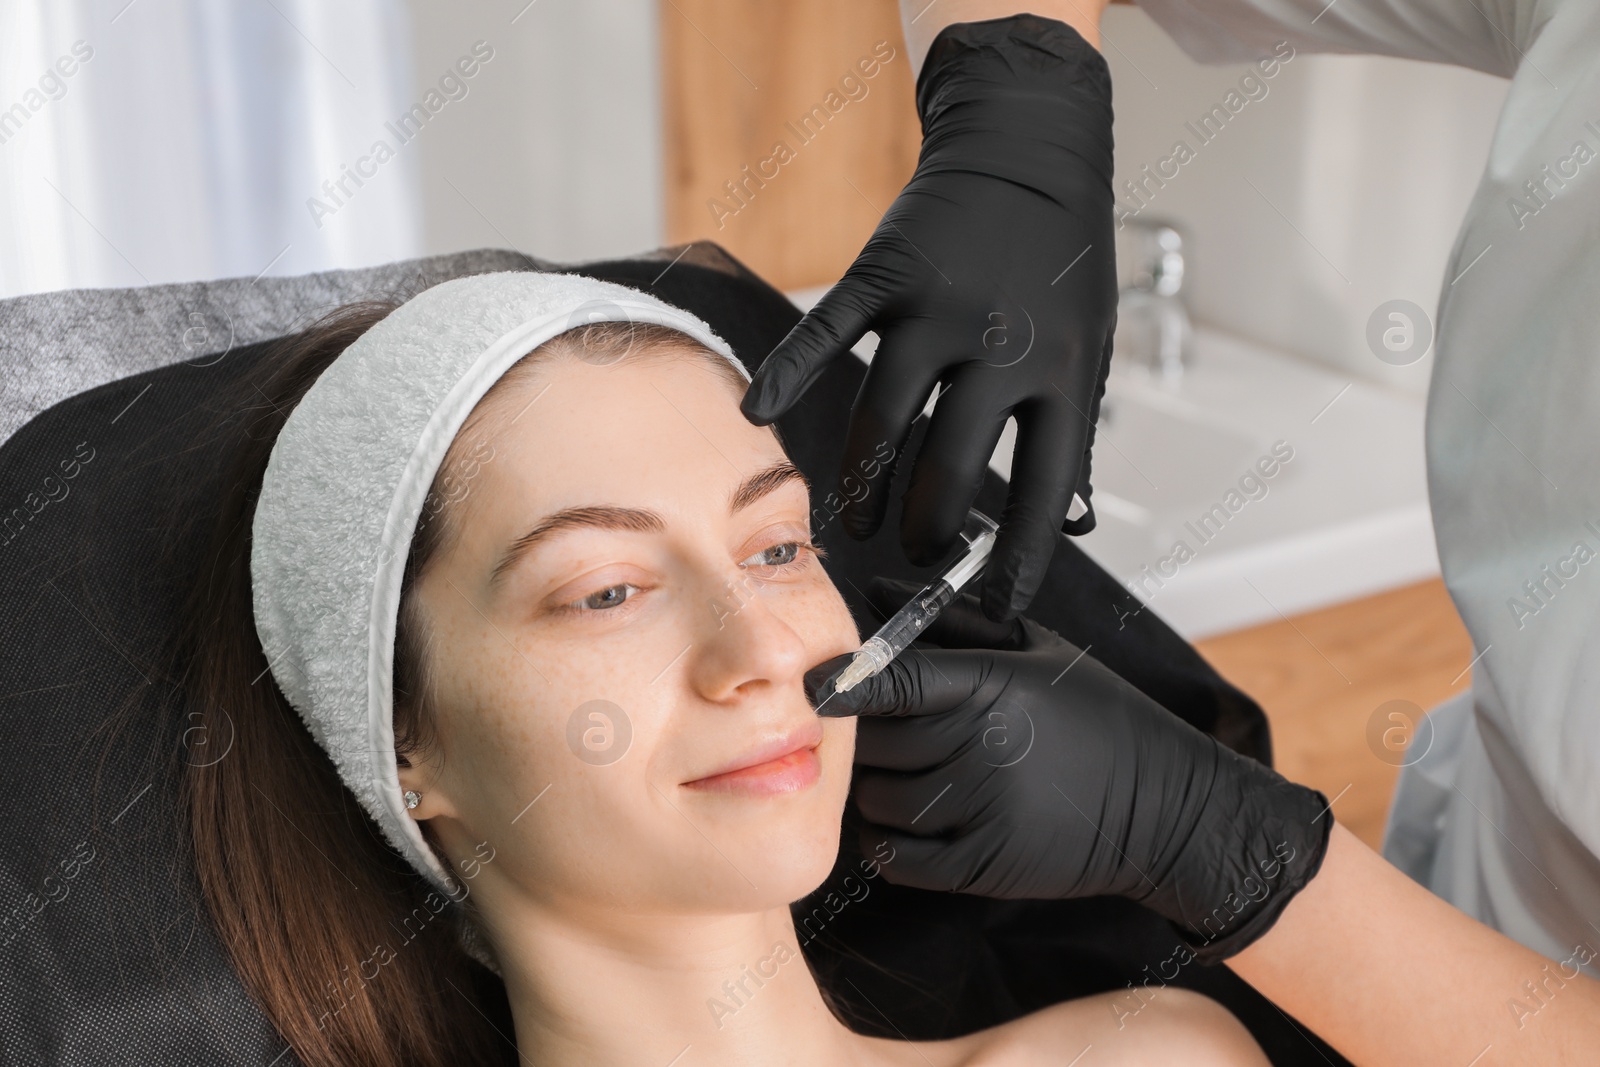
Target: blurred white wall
column 205, row 141
column 176, row 140
column 1337, row 190
column 556, row 150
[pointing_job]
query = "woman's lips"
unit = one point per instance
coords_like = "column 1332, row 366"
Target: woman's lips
column 785, row 765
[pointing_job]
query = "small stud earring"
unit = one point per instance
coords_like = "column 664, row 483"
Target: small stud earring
column 412, row 798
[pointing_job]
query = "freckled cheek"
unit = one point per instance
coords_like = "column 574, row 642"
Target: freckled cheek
column 818, row 614
column 550, row 716
column 505, row 713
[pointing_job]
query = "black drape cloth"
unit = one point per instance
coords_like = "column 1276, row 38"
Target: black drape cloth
column 106, row 954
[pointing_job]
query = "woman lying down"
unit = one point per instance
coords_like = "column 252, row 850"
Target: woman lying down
column 540, row 599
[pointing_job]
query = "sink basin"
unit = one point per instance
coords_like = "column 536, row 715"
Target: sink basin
column 1258, row 486
column 1138, row 474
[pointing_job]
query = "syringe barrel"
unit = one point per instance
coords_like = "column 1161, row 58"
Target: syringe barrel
column 897, row 634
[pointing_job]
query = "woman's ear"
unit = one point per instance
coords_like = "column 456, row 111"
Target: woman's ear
column 423, row 788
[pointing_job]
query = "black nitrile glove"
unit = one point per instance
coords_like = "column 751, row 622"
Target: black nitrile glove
column 993, row 274
column 1008, row 763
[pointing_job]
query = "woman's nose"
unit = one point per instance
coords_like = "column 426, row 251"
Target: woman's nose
column 748, row 639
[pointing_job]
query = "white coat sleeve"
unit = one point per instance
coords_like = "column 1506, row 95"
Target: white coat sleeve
column 1486, row 35
column 1512, row 436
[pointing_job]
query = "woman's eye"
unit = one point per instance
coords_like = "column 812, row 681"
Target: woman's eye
column 781, row 555
column 778, row 556
column 605, row 599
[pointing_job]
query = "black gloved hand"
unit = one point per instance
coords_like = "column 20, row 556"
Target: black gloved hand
column 993, row 273
column 1011, row 764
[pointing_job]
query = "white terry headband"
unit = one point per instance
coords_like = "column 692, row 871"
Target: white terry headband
column 347, row 481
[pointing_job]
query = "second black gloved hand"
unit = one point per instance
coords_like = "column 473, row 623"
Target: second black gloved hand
column 1009, row 763
column 992, row 275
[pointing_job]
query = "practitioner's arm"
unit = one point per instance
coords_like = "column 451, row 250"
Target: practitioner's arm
column 1388, row 973
column 921, row 20
column 1008, row 763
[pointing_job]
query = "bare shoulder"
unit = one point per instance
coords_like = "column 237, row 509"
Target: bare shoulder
column 1166, row 1026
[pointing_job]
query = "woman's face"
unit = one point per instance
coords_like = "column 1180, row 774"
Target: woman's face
column 619, row 632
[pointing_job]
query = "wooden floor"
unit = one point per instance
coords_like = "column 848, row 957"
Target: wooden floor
column 1322, row 677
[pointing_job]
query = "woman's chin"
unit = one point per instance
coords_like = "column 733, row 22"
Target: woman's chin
column 778, row 862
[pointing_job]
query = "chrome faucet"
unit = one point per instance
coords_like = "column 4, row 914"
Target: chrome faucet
column 1153, row 328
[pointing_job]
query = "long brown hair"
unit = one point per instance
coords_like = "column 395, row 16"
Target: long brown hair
column 338, row 940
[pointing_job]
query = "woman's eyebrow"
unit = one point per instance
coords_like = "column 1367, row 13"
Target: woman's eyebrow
column 763, row 482
column 638, row 520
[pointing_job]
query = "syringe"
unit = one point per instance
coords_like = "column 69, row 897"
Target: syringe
column 896, row 635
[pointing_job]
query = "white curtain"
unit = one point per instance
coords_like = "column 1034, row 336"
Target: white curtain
column 175, row 140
